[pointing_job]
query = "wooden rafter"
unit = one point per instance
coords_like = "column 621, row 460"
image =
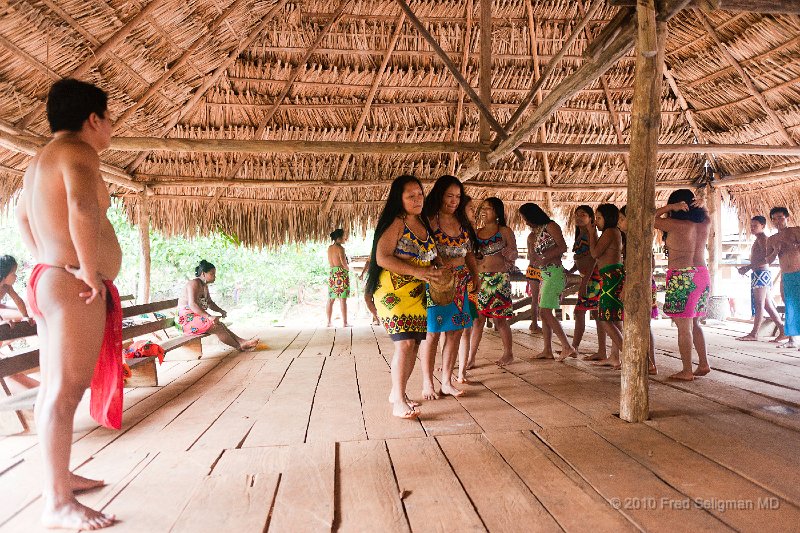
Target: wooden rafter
column 464, row 64
column 32, row 61
column 751, row 88
column 373, row 92
column 180, row 62
column 210, row 80
column 99, row 53
column 689, row 114
column 614, row 42
column 532, row 31
column 484, row 110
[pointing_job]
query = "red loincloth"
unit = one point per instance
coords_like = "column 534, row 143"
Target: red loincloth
column 106, row 402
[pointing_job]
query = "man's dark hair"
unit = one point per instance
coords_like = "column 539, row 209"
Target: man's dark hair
column 7, row 264
column 203, row 267
column 70, row 102
column 760, row 219
column 338, row 233
column 779, row 210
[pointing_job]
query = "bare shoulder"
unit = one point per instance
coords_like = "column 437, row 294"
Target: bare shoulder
column 394, row 230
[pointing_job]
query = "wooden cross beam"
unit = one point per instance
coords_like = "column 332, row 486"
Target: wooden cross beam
column 482, row 108
column 615, row 41
column 752, row 6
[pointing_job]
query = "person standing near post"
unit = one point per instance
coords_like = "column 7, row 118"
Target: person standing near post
column 339, row 279
column 760, row 282
column 686, row 229
column 61, row 215
column 785, row 245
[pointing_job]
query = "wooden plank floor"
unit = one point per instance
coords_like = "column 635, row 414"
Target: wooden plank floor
column 300, row 437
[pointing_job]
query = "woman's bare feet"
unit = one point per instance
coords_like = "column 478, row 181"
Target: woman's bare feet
column 780, row 338
column 429, row 393
column 702, row 370
column 613, row 362
column 402, row 410
column 534, row 328
column 80, row 483
column 595, row 357
column 73, row 515
column 543, row 355
column 451, row 391
column 682, row 376
column 505, row 360
column 409, row 402
column 789, row 344
column 567, row 352
column 249, row 345
column 464, row 381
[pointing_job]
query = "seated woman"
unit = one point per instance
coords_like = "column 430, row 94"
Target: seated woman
column 10, row 315
column 8, row 275
column 193, row 304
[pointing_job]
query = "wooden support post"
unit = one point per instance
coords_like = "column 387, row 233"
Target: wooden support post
column 646, row 120
column 714, row 204
column 144, row 241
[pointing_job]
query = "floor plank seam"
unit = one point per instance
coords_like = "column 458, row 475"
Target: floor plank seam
column 314, row 398
column 360, row 398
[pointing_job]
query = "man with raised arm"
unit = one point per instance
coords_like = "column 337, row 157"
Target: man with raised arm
column 786, row 246
column 61, row 215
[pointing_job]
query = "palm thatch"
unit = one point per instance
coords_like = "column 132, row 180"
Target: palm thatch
column 359, row 71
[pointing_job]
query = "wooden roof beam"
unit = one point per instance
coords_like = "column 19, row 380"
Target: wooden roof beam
column 373, row 92
column 469, row 8
column 614, row 42
column 532, row 30
column 247, row 146
column 98, row 54
column 210, row 80
column 687, row 112
column 181, row 61
column 484, row 110
column 751, row 6
column 745, row 78
column 32, row 61
column 26, row 144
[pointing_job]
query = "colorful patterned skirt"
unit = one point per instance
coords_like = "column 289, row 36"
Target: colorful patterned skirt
column 455, row 315
column 473, row 298
column 400, row 301
column 590, row 301
column 339, row 283
column 494, row 298
column 687, row 292
column 654, row 290
column 610, row 306
column 791, row 299
column 191, row 323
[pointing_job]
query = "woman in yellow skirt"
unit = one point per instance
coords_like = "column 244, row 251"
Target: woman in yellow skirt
column 403, row 252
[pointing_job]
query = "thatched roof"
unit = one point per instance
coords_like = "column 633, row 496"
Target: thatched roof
column 314, row 70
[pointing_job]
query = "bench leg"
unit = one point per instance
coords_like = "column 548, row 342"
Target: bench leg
column 13, row 422
column 143, row 372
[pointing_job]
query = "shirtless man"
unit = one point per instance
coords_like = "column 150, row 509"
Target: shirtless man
column 339, row 280
column 61, row 215
column 688, row 282
column 786, row 246
column 760, row 282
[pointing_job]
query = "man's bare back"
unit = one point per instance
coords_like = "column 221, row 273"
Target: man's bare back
column 47, row 207
column 786, row 245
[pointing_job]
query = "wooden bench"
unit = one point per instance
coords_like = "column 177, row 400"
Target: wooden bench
column 16, row 411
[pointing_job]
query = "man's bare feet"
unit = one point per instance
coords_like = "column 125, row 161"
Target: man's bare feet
column 748, row 337
column 780, row 338
column 346, row 325
column 80, row 483
column 789, row 344
column 411, row 403
column 329, row 325
column 595, row 357
column 534, row 328
column 505, row 360
column 652, row 370
column 451, row 391
column 73, row 515
column 702, row 370
column 464, row 381
column 610, row 361
column 543, row 355
column 682, row 376
column 249, row 346
column 429, row 393
column 402, row 410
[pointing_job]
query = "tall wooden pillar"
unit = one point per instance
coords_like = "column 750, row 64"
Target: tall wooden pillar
column 144, row 241
column 714, row 203
column 646, row 120
column 485, row 81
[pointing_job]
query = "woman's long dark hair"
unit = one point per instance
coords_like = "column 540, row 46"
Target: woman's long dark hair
column 499, row 209
column 533, row 214
column 589, row 211
column 203, row 267
column 7, row 264
column 434, row 199
column 392, row 210
column 610, row 214
column 694, row 214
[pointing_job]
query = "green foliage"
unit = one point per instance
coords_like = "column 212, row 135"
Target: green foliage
column 255, row 280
